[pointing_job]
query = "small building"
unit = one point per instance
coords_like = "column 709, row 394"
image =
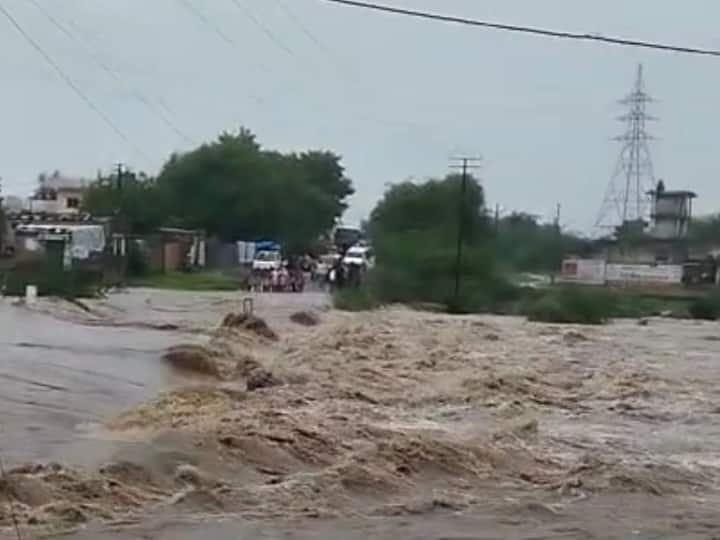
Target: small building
column 657, row 255
column 671, row 212
column 58, row 194
column 173, row 250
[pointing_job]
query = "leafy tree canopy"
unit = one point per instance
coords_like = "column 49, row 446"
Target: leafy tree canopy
column 132, row 197
column 705, row 229
column 435, row 205
column 234, row 189
column 523, row 243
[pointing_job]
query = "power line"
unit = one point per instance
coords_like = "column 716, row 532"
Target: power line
column 320, row 107
column 350, row 81
column 223, row 36
column 105, row 67
column 68, row 81
column 303, row 27
column 207, row 22
column 526, row 29
column 263, row 28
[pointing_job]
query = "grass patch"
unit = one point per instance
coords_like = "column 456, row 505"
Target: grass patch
column 594, row 305
column 190, row 281
column 572, row 306
column 706, row 308
column 355, row 299
column 52, row 282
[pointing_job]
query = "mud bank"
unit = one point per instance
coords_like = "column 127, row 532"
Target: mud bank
column 397, row 416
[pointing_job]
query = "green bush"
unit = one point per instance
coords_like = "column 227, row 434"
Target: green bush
column 572, row 306
column 190, row 281
column 73, row 283
column 706, row 308
column 419, row 267
column 138, row 264
column 355, row 299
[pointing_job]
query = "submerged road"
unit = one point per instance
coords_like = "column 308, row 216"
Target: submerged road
column 63, row 371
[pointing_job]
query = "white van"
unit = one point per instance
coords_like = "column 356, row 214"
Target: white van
column 360, row 256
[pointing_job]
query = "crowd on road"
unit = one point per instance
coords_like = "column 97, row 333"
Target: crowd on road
column 330, row 272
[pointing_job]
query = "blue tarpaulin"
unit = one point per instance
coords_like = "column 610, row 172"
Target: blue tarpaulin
column 267, row 245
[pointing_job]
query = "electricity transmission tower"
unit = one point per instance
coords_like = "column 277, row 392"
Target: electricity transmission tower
column 626, row 197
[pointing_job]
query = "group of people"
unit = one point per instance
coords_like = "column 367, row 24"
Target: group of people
column 283, row 279
column 344, row 275
column 292, row 275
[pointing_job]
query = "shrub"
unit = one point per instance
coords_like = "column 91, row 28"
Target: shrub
column 73, row 283
column 138, row 264
column 571, row 306
column 706, row 308
column 355, row 299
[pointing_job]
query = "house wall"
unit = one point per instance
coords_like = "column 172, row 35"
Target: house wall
column 172, row 256
column 631, row 254
column 222, row 255
column 59, row 205
column 667, row 228
column 671, row 252
column 598, row 272
column 64, row 199
column 672, row 207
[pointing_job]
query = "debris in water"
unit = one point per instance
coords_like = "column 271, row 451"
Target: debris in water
column 262, row 378
column 573, row 336
column 305, row 318
column 251, row 323
column 194, row 359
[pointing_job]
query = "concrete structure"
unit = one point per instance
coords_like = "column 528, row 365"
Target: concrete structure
column 643, row 251
column 599, row 272
column 671, row 212
column 58, row 194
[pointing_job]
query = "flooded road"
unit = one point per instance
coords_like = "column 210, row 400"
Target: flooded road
column 390, row 424
column 58, row 378
column 62, row 370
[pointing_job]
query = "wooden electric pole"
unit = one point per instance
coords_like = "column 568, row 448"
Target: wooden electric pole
column 465, row 164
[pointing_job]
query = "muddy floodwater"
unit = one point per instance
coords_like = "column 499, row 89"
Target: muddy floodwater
column 154, row 415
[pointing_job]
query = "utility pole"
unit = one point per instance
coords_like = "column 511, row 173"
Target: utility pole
column 558, row 242
column 465, row 164
column 119, row 172
column 557, row 217
column 120, row 221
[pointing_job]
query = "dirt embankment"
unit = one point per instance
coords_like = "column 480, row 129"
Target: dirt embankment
column 391, row 413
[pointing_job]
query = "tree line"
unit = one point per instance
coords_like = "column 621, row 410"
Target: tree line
column 414, row 229
column 233, row 189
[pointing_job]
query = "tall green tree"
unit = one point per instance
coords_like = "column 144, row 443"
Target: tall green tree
column 234, row 189
column 705, row 230
column 436, row 205
column 525, row 244
column 131, row 198
column 414, row 229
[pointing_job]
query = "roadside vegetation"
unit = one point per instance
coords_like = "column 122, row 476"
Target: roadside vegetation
column 706, row 308
column 190, row 281
column 232, row 188
column 68, row 284
column 414, row 232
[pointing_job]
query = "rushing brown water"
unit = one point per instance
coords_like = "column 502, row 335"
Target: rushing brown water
column 393, row 424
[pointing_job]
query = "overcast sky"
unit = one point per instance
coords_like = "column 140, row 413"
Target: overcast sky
column 395, row 97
